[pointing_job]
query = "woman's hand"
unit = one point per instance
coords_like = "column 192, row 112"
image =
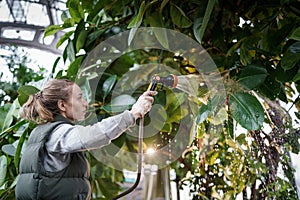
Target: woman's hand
column 143, row 104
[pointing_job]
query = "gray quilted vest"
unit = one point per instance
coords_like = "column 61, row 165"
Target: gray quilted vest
column 38, row 184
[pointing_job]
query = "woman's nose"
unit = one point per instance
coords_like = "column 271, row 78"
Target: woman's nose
column 85, row 103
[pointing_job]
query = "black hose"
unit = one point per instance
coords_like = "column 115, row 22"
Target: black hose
column 140, row 153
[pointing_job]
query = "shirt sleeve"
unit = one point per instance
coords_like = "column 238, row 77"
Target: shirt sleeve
column 73, row 138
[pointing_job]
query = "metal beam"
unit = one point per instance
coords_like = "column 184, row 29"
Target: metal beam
column 37, row 39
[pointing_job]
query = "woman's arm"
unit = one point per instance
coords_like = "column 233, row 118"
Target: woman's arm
column 69, row 138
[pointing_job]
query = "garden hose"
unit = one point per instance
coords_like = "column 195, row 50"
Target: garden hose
column 170, row 81
column 140, row 154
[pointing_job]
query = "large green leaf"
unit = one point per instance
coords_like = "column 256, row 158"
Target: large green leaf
column 108, row 85
column 156, row 20
column 179, row 17
column 252, row 76
column 24, row 93
column 246, row 110
column 3, row 169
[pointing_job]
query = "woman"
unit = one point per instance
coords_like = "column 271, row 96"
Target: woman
column 53, row 165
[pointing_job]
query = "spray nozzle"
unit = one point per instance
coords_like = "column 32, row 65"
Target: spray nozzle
column 169, row 81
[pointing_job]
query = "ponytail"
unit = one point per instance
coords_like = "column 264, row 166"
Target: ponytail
column 42, row 107
column 34, row 110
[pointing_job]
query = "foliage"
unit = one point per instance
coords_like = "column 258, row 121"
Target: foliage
column 18, row 64
column 255, row 46
column 13, row 130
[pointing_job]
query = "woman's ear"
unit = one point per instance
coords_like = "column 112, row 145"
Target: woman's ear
column 61, row 105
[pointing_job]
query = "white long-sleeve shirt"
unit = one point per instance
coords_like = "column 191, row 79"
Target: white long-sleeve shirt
column 67, row 139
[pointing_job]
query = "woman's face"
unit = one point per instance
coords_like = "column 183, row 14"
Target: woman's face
column 75, row 107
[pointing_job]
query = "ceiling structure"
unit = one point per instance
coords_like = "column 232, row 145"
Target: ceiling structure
column 22, row 22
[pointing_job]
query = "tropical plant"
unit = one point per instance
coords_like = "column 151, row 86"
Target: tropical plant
column 255, row 46
column 13, row 130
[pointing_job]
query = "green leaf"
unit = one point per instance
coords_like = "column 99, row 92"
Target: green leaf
column 289, row 60
column 80, row 42
column 197, row 27
column 200, row 25
column 3, row 169
column 19, row 147
column 179, row 18
column 295, row 34
column 88, row 5
column 70, row 51
column 51, row 30
column 9, row 117
column 97, row 9
column 155, row 20
column 94, row 36
column 55, row 65
column 24, row 93
column 271, row 88
column 246, row 110
column 108, row 85
column 163, row 4
column 9, row 149
column 11, row 128
column 75, row 9
column 119, row 104
column 137, row 19
column 74, row 67
column 64, row 38
column 68, row 23
column 285, row 75
column 213, row 106
column 250, row 73
column 204, row 112
column 297, row 76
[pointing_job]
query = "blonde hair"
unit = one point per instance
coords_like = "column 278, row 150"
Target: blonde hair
column 42, row 106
